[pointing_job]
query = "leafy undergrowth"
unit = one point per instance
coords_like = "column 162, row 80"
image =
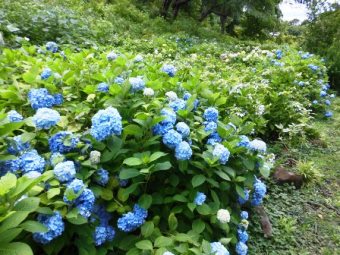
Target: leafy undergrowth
column 306, row 221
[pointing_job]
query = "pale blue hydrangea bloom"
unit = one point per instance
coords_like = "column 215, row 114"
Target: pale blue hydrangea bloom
column 65, row 171
column 244, row 141
column 259, row 192
column 56, row 158
column 328, row 114
column 45, row 118
column 178, row 104
column 52, row 46
column 105, row 123
column 85, row 203
column 103, row 87
column 258, row 145
column 17, row 146
column 169, row 69
column 214, row 138
column 314, row 68
column 327, row 102
column 57, row 142
column 183, row 129
column 242, row 200
column 241, row 248
column 14, row 116
column 323, row 93
column 103, row 234
column 200, row 198
column 210, row 126
column 46, row 73
column 221, row 152
column 32, row 161
column 40, row 98
column 168, row 253
column 244, row 215
column 183, row 151
column 32, row 174
column 119, row 80
column 242, row 235
column 137, row 83
column 111, row 56
column 102, row 177
column 217, row 248
column 172, row 138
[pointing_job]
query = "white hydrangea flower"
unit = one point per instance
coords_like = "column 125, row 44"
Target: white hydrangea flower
column 260, row 110
column 223, row 216
column 172, row 96
column 149, row 92
column 95, row 157
column 139, row 58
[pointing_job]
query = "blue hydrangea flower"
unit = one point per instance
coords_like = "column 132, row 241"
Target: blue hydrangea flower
column 161, row 129
column 259, row 192
column 12, row 166
column 315, row 102
column 186, row 96
column 14, row 116
column 111, row 56
column 168, row 253
column 103, row 87
column 258, row 145
column 132, row 220
column 183, row 151
column 56, row 158
column 139, row 58
column 242, row 235
column 58, row 99
column 76, row 185
column 17, row 146
column 65, row 171
column 214, row 138
column 170, row 116
column 63, row 142
column 279, row 54
column 119, row 80
column 45, row 118
column 178, row 104
column 221, row 152
column 217, row 248
column 241, row 248
column 99, row 235
column 169, row 69
column 328, row 114
column 211, row 114
column 172, row 138
column 137, row 83
column 85, row 203
column 301, row 83
column 244, row 141
column 183, row 129
column 314, row 68
column 40, row 98
column 242, row 200
column 46, row 73
column 327, row 102
column 102, row 177
column 244, row 215
column 325, row 87
column 52, row 46
column 32, row 175
column 32, row 161
column 54, row 224
column 200, row 198
column 105, row 123
column 323, row 93
column 210, row 126
column 102, row 215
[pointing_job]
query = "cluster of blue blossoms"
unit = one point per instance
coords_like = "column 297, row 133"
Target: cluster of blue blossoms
column 169, row 69
column 103, row 87
column 63, row 142
column 106, row 123
column 279, row 54
column 241, row 247
column 218, row 249
column 41, row 98
column 55, row 227
column 132, row 220
column 52, row 47
column 14, row 116
column 258, row 193
column 200, row 198
column 137, row 83
column 103, row 232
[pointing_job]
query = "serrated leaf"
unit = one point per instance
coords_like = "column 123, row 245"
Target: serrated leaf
column 198, row 180
column 147, row 229
column 133, row 161
column 128, row 173
column 144, row 245
column 163, row 241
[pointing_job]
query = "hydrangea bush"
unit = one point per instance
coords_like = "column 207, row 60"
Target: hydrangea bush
column 143, row 156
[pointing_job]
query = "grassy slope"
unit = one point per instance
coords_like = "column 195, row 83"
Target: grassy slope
column 306, row 221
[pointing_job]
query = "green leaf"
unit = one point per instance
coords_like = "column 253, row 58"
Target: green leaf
column 163, row 241
column 13, row 221
column 147, row 229
column 133, row 161
column 128, row 173
column 203, row 209
column 223, row 175
column 240, row 191
column 156, row 156
column 53, row 192
column 265, row 171
column 162, row 166
column 180, row 198
column 173, row 222
column 134, row 130
column 15, row 249
column 144, row 245
column 197, row 180
column 198, row 226
column 7, row 182
column 33, row 226
column 9, row 235
column 145, row 201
